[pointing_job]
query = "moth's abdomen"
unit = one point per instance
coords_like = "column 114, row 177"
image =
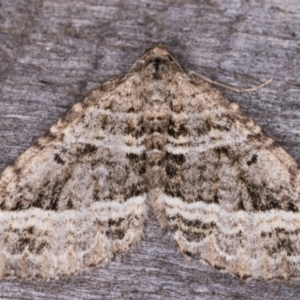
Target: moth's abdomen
column 156, row 122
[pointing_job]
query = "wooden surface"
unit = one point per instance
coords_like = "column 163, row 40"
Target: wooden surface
column 52, row 53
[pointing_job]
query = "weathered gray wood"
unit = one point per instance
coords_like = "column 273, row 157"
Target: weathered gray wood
column 53, row 52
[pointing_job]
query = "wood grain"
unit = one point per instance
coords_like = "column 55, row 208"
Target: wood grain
column 52, row 53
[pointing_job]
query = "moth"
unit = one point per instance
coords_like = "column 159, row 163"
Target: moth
column 159, row 138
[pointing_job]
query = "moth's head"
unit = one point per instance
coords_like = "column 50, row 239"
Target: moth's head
column 156, row 63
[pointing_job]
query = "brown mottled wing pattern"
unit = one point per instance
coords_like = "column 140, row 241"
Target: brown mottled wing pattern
column 76, row 197
column 231, row 193
column 161, row 138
